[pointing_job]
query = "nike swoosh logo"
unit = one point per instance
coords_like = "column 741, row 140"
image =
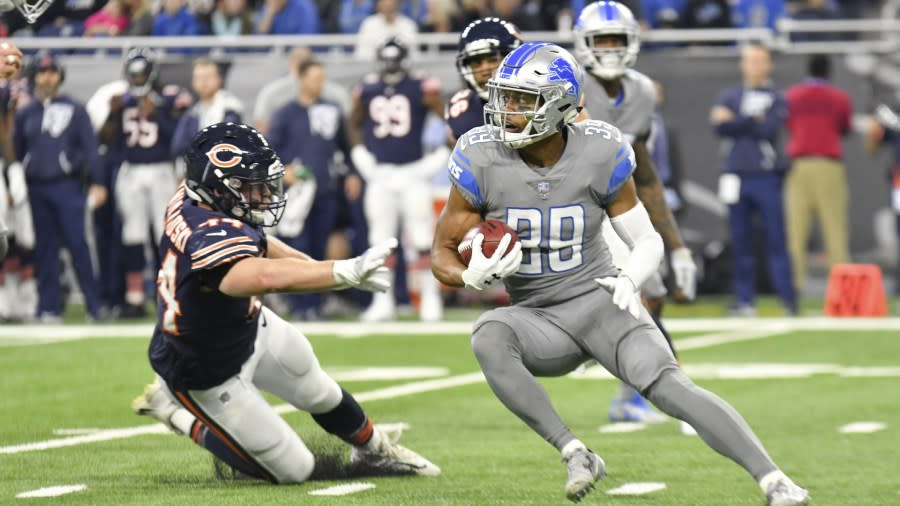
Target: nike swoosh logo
column 220, row 233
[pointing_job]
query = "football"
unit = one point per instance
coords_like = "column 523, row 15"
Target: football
column 493, row 231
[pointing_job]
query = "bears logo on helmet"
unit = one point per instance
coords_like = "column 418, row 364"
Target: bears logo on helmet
column 233, row 158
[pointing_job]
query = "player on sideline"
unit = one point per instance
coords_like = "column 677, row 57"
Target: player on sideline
column 215, row 346
column 555, row 182
column 386, row 120
column 482, row 46
column 607, row 42
column 10, row 63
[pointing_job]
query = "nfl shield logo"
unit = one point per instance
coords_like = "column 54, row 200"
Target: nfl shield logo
column 543, row 189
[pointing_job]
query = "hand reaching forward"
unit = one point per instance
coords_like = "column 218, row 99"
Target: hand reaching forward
column 367, row 271
column 484, row 270
column 624, row 294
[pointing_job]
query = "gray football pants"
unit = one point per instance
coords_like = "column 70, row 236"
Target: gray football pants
column 515, row 344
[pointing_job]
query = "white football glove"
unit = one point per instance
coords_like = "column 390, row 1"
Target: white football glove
column 685, row 272
column 363, row 160
column 484, row 270
column 624, row 294
column 367, row 271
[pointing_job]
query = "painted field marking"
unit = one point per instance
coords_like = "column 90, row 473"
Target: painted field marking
column 345, row 489
column 158, row 428
column 640, row 488
column 622, row 427
column 52, row 491
column 11, row 335
column 862, row 427
column 366, row 373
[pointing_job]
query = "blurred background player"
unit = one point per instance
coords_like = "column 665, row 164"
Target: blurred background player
column 142, row 122
column 215, row 347
column 607, row 42
column 309, row 132
column 214, row 105
column 482, row 46
column 55, row 144
column 387, row 117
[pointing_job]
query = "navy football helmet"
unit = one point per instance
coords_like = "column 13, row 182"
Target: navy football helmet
column 141, row 71
column 392, row 54
column 231, row 167
column 486, row 36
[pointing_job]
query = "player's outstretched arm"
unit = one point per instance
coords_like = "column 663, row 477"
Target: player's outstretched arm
column 632, row 224
column 651, row 192
column 455, row 220
column 258, row 276
column 276, row 248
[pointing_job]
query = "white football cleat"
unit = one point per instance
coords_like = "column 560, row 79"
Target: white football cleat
column 155, row 403
column 382, row 308
column 785, row 492
column 381, row 453
column 584, row 467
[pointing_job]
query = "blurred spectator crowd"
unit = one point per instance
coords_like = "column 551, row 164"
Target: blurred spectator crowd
column 227, row 18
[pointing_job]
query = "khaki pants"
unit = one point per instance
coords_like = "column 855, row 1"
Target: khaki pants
column 816, row 187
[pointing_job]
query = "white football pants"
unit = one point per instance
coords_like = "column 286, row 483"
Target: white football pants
column 283, row 363
column 142, row 193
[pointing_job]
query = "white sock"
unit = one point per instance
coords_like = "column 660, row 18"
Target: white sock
column 182, row 420
column 766, row 481
column 571, row 446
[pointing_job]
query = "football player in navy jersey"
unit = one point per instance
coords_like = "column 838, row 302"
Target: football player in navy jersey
column 482, row 46
column 386, row 121
column 215, row 347
column 142, row 123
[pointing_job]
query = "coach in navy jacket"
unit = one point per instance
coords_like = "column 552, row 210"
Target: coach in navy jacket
column 748, row 118
column 55, row 143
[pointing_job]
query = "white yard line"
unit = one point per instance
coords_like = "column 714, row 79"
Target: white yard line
column 734, row 330
column 393, row 392
column 30, row 334
column 53, row 491
column 344, row 489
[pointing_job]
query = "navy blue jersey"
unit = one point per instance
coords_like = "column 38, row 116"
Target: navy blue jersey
column 464, row 111
column 149, row 140
column 311, row 136
column 395, row 116
column 202, row 336
column 54, row 139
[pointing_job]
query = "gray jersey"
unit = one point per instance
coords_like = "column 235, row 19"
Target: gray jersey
column 557, row 211
column 631, row 111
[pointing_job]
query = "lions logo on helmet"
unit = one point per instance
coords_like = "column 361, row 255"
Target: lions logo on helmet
column 231, row 168
column 539, row 81
column 141, row 71
column 481, row 39
column 606, row 19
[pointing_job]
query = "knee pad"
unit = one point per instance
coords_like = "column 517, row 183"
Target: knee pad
column 315, row 390
column 289, row 461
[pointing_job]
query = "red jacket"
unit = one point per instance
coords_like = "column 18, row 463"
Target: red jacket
column 818, row 116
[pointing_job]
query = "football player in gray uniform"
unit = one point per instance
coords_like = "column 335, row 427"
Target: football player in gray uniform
column 555, row 182
column 607, row 42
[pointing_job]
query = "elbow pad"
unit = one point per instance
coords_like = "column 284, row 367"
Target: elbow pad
column 646, row 245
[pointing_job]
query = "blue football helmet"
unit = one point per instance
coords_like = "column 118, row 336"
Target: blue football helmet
column 482, row 37
column 141, row 71
column 606, row 18
column 540, row 81
column 231, row 167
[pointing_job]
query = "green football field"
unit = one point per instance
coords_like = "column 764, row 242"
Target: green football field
column 65, row 419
